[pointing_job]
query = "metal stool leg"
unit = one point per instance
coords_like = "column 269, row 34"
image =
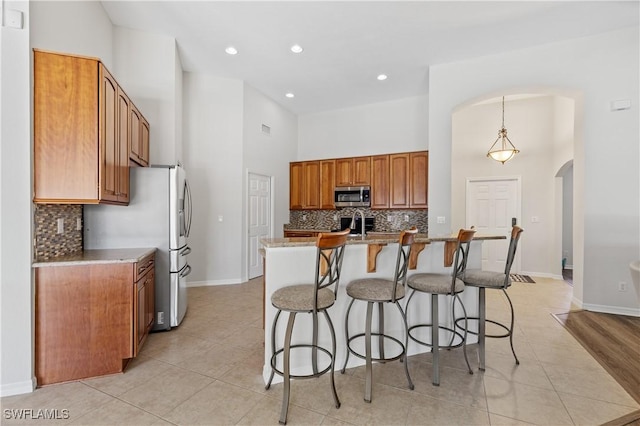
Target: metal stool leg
column 346, row 333
column 435, row 344
column 367, row 342
column 381, row 329
column 333, row 359
column 464, row 338
column 511, row 328
column 406, row 345
column 273, row 347
column 314, row 347
column 482, row 327
column 286, row 369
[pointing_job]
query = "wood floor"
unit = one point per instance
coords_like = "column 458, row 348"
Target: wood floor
column 613, row 340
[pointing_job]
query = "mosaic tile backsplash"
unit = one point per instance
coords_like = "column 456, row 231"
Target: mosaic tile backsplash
column 384, row 220
column 49, row 243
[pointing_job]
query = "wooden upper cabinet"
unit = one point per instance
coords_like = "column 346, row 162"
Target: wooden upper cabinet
column 353, row 171
column 399, row 181
column 327, row 184
column 419, row 170
column 296, row 186
column 311, row 184
column 380, row 182
column 82, row 131
column 139, row 152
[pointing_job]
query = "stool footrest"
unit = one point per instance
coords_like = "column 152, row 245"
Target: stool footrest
column 475, row 333
column 384, row 336
column 450, row 330
column 303, row 376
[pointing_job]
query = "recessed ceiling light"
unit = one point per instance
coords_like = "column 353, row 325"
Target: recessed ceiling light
column 290, row 95
column 296, row 48
column 231, row 50
column 382, row 77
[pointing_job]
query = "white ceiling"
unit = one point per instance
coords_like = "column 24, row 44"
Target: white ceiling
column 347, row 44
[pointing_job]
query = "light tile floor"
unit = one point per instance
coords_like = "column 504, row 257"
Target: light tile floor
column 209, row 371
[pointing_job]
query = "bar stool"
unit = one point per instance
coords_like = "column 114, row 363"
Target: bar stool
column 380, row 291
column 492, row 280
column 311, row 299
column 447, row 285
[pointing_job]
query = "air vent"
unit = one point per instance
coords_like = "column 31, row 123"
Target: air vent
column 266, row 129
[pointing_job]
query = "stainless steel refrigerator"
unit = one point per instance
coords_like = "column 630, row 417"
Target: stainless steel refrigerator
column 158, row 215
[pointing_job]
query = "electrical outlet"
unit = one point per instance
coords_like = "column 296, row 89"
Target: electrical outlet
column 160, row 317
column 60, row 226
column 441, row 219
column 406, row 218
column 622, row 286
column 78, row 224
column 304, row 217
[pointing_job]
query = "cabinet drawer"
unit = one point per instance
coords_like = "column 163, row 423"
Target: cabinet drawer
column 143, row 266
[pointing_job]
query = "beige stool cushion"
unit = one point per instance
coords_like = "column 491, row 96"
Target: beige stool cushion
column 374, row 290
column 299, row 298
column 488, row 279
column 434, row 283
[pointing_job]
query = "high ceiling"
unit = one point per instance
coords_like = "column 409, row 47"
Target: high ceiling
column 348, row 44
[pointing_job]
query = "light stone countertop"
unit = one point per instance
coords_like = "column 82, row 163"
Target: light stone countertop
column 85, row 257
column 371, row 238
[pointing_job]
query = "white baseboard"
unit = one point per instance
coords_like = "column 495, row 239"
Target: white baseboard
column 19, row 388
column 211, row 283
column 616, row 310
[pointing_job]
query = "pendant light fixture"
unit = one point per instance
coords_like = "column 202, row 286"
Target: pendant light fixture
column 503, row 151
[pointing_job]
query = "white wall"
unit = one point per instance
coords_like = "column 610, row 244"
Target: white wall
column 147, row 66
column 567, row 216
column 532, row 124
column 16, row 320
column 74, row 27
column 81, row 28
column 594, row 71
column 380, row 128
column 213, row 156
column 269, row 155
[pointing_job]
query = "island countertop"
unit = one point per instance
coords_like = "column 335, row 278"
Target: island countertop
column 84, row 257
column 370, row 238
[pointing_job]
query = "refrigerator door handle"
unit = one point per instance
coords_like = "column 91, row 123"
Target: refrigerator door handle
column 186, row 271
column 189, row 209
column 185, row 251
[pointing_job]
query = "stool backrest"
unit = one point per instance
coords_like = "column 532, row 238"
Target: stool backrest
column 511, row 254
column 330, row 250
column 462, row 254
column 405, row 241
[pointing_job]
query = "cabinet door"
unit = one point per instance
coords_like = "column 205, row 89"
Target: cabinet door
column 343, row 172
column 399, row 180
column 136, row 150
column 419, row 162
column 108, row 166
column 380, row 182
column 312, row 184
column 361, row 167
column 123, row 148
column 65, row 110
column 327, row 184
column 296, row 186
column 140, row 322
column 144, row 141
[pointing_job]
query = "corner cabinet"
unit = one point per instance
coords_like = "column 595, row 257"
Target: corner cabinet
column 82, row 132
column 91, row 318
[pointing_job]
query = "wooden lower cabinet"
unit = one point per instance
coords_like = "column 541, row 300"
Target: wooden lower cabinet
column 88, row 318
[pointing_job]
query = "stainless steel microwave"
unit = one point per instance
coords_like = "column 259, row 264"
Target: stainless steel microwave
column 352, row 196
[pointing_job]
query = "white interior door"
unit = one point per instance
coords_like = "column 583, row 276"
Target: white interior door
column 259, row 219
column 492, row 206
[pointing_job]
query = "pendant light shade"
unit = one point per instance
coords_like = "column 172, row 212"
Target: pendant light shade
column 502, row 149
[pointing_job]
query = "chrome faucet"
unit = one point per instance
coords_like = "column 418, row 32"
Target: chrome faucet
column 353, row 222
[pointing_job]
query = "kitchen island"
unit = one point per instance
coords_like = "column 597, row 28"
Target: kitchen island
column 291, row 261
